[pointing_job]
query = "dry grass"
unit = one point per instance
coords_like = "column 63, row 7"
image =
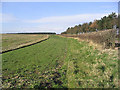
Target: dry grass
column 104, row 38
column 110, row 51
column 12, row 41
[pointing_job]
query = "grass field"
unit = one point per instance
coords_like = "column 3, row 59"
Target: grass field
column 12, row 41
column 60, row 62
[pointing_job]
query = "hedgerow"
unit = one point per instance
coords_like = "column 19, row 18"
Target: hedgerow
column 105, row 38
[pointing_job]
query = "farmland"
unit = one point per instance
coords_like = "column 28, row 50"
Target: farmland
column 12, row 41
column 60, row 62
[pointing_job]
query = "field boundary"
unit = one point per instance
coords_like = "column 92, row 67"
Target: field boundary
column 25, row 45
column 104, row 38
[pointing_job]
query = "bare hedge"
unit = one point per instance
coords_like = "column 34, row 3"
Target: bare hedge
column 105, row 38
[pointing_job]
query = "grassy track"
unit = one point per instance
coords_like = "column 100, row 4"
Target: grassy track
column 26, row 67
column 12, row 41
column 59, row 62
column 88, row 67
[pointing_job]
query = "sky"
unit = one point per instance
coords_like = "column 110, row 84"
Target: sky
column 51, row 16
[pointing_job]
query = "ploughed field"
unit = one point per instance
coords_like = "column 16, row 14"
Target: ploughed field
column 60, row 62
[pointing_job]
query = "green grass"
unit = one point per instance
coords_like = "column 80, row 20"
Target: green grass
column 88, row 67
column 28, row 64
column 59, row 62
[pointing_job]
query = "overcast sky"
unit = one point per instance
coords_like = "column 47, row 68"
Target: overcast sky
column 51, row 16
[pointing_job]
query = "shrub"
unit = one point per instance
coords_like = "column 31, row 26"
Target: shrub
column 105, row 38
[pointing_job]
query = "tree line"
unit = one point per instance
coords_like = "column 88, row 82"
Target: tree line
column 34, row 33
column 107, row 22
